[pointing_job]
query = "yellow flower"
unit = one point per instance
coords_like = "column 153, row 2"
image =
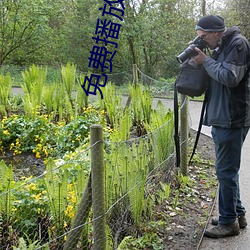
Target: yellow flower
column 14, row 209
column 16, row 152
column 73, row 199
column 38, row 155
column 12, row 145
column 69, row 211
column 37, row 196
column 6, row 132
column 31, row 187
column 45, row 151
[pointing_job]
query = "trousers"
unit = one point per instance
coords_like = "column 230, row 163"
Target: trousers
column 228, row 146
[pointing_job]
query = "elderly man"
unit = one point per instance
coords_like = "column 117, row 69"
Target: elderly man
column 228, row 112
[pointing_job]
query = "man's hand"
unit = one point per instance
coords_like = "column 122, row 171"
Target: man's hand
column 200, row 58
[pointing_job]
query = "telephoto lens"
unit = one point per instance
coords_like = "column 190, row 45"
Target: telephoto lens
column 190, row 51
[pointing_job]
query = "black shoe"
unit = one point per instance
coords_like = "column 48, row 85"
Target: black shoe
column 241, row 219
column 221, row 231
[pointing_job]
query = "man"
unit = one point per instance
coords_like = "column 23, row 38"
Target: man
column 228, row 112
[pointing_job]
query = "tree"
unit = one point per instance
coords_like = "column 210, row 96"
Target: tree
column 237, row 12
column 21, row 21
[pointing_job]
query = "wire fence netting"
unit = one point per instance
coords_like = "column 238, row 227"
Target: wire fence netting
column 53, row 210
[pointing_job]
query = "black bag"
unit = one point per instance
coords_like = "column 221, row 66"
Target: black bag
column 192, row 80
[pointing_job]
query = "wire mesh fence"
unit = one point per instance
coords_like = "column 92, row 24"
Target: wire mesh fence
column 42, row 210
column 55, row 210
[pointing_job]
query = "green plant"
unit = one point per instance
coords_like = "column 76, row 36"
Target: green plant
column 111, row 104
column 147, row 241
column 176, row 199
column 30, row 208
column 23, row 246
column 6, row 184
column 184, row 181
column 161, row 126
column 121, row 131
column 164, row 191
column 56, row 187
column 45, row 138
column 141, row 104
column 33, row 85
column 5, row 89
column 48, row 98
column 126, row 173
column 81, row 100
column 62, row 104
column 68, row 74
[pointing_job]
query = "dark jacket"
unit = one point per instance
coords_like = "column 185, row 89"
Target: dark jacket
column 228, row 103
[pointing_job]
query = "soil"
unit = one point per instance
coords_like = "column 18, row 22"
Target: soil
column 25, row 164
column 186, row 223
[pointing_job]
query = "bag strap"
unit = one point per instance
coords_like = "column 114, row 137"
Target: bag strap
column 176, row 126
column 199, row 127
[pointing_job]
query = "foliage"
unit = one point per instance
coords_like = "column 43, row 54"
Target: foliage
column 163, row 123
column 111, row 104
column 22, row 28
column 147, row 241
column 68, row 73
column 5, row 89
column 58, row 32
column 43, row 206
column 82, row 100
column 22, row 245
column 141, row 106
column 236, row 13
column 6, row 184
column 43, row 137
column 51, row 200
column 33, row 85
column 30, row 204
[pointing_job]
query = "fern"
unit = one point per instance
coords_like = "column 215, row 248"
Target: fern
column 33, row 86
column 68, row 74
column 48, row 98
column 6, row 184
column 56, row 185
column 81, row 100
column 5, row 89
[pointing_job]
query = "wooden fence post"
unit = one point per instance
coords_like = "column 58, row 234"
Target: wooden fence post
column 135, row 74
column 80, row 218
column 98, row 194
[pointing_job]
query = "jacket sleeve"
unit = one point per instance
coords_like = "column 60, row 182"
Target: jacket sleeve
column 234, row 66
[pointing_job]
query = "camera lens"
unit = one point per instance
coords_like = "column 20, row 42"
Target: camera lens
column 187, row 53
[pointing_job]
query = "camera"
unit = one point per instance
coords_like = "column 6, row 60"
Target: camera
column 190, row 51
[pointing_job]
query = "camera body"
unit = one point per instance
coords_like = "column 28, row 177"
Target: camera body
column 190, row 51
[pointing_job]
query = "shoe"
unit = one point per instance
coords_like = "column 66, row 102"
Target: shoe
column 221, row 231
column 241, row 219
